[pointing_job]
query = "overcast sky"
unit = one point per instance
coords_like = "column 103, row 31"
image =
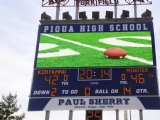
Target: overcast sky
column 19, row 20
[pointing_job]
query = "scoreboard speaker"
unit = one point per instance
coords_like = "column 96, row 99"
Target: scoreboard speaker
column 67, row 16
column 125, row 14
column 94, row 115
column 146, row 14
column 109, row 14
column 44, row 16
column 82, row 15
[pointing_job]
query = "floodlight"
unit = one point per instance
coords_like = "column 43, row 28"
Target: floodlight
column 109, row 15
column 67, row 16
column 95, row 15
column 125, row 14
column 82, row 15
column 44, row 16
column 146, row 14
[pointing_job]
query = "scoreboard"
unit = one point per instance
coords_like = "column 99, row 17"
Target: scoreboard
column 71, row 71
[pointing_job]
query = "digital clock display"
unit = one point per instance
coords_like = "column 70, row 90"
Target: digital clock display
column 88, row 74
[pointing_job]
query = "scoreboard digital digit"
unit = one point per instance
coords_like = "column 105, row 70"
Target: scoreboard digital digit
column 71, row 71
column 94, row 115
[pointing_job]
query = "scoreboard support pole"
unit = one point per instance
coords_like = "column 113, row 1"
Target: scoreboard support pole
column 125, row 115
column 135, row 9
column 130, row 115
column 140, row 115
column 47, row 115
column 57, row 10
column 70, row 115
column 77, row 10
column 117, row 114
column 115, row 10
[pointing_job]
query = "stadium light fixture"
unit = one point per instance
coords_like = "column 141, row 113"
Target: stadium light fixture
column 82, row 15
column 67, row 16
column 109, row 15
column 146, row 14
column 125, row 14
column 95, row 15
column 44, row 16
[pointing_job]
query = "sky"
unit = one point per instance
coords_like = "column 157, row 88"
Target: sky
column 18, row 35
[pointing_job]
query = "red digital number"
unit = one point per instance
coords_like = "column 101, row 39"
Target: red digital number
column 102, row 73
column 128, row 90
column 55, row 79
column 91, row 115
column 141, row 79
column 123, row 76
column 48, row 79
column 94, row 115
column 82, row 74
column 99, row 117
column 107, row 73
column 134, row 78
column 65, row 78
column 54, row 91
column 89, row 74
column 124, row 91
column 87, row 91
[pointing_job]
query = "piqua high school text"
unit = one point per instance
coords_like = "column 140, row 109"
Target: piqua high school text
column 94, row 28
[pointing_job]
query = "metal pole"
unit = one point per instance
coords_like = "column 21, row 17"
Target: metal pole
column 77, row 9
column 115, row 9
column 117, row 114
column 70, row 115
column 135, row 9
column 130, row 114
column 57, row 10
column 125, row 115
column 47, row 115
column 140, row 115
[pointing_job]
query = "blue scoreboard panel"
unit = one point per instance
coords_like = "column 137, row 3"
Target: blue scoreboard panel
column 71, row 71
